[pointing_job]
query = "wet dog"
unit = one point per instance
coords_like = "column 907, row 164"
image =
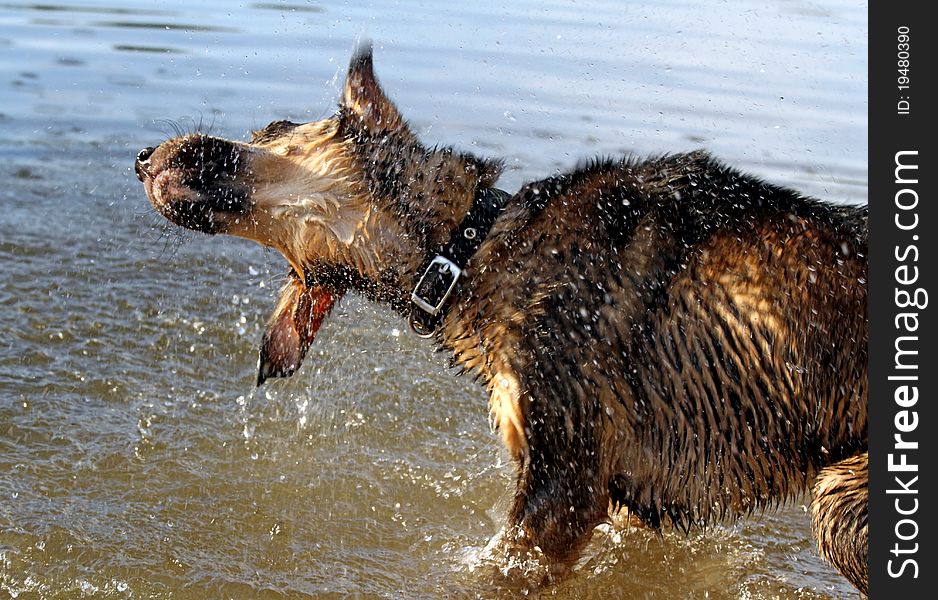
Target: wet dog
column 667, row 336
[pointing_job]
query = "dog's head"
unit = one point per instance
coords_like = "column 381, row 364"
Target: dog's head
column 354, row 201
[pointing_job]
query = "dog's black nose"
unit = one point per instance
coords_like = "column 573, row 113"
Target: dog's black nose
column 144, row 154
column 140, row 164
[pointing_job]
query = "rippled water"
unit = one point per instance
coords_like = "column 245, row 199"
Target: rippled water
column 136, row 458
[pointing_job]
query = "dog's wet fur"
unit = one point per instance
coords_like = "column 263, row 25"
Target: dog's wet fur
column 668, row 336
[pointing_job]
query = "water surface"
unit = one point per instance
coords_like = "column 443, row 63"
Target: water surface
column 136, row 458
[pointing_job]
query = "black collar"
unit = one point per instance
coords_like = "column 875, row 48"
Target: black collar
column 441, row 271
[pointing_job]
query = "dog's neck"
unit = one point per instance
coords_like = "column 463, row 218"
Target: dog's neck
column 419, row 197
column 442, row 270
column 389, row 269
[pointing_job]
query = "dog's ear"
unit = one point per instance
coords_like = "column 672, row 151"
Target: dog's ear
column 292, row 328
column 365, row 98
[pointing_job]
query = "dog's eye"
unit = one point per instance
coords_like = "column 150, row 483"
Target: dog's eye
column 272, row 131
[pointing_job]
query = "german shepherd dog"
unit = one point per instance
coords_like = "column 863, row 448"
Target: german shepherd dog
column 669, row 336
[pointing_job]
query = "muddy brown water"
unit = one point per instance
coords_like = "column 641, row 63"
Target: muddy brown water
column 136, row 458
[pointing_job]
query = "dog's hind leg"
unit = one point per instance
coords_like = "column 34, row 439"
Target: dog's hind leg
column 840, row 517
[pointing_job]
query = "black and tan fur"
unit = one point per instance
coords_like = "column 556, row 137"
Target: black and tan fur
column 668, row 335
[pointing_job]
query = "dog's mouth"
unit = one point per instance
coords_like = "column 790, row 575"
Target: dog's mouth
column 194, row 181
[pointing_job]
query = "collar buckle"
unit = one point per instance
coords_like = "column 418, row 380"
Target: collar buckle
column 436, row 285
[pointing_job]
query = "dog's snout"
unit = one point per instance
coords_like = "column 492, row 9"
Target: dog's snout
column 143, row 157
column 204, row 152
column 207, row 160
